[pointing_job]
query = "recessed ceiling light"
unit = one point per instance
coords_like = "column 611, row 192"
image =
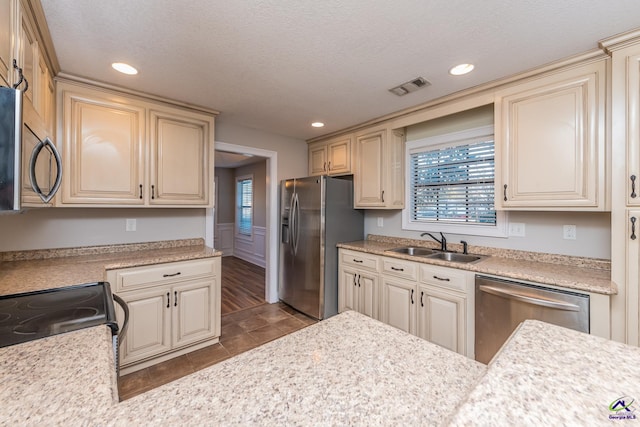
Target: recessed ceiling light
column 317, row 124
column 124, row 68
column 461, row 69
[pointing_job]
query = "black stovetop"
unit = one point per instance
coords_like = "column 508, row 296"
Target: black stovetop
column 34, row 315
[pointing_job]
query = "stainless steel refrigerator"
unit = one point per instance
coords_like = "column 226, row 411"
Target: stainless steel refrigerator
column 316, row 213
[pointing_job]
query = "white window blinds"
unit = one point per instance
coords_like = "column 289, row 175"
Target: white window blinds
column 454, row 184
column 245, row 206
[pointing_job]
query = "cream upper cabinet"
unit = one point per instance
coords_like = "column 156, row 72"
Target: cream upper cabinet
column 119, row 150
column 379, row 169
column 332, row 157
column 550, row 141
column 28, row 56
column 103, row 148
column 180, row 158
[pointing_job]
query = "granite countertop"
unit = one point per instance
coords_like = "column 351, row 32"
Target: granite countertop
column 585, row 274
column 549, row 375
column 347, row 370
column 27, row 271
column 61, row 379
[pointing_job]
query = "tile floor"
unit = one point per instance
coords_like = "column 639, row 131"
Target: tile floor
column 241, row 331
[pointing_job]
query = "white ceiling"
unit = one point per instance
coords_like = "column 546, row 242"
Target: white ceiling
column 278, row 65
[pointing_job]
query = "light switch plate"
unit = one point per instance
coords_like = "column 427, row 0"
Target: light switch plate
column 516, row 229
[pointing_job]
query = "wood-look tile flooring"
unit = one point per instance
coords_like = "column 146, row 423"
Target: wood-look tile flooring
column 246, row 324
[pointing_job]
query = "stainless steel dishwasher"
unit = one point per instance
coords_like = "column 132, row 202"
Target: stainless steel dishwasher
column 501, row 305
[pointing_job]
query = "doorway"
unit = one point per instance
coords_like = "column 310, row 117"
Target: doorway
column 270, row 230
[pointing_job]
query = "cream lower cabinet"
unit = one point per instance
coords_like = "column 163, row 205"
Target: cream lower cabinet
column 174, row 308
column 550, row 141
column 358, row 286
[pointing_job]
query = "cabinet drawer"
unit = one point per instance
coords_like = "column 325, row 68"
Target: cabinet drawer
column 359, row 259
column 404, row 269
column 139, row 277
column 448, row 278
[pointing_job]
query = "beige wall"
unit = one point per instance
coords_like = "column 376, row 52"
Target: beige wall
column 225, row 205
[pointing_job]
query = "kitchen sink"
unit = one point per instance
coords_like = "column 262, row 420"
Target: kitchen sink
column 456, row 257
column 409, row 250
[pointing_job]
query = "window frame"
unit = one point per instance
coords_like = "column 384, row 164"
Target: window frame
column 451, row 139
column 239, row 180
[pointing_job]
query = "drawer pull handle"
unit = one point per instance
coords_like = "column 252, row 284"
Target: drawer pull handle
column 397, row 269
column 411, row 296
column 421, row 295
column 444, row 279
column 633, row 187
column 175, row 298
column 359, row 261
column 633, row 228
column 167, row 299
column 171, row 275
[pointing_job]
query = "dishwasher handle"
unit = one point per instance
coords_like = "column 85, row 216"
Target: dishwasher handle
column 528, row 299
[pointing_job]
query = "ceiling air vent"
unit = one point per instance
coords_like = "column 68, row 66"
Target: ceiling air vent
column 410, row 86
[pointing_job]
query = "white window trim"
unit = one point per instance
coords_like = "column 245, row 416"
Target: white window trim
column 240, row 236
column 446, row 140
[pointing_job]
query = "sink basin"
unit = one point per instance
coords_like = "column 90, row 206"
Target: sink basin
column 409, row 250
column 456, row 257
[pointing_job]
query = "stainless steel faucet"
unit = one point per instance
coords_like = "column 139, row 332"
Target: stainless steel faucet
column 442, row 240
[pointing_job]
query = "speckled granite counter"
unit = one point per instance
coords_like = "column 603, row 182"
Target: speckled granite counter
column 51, row 268
column 548, row 375
column 585, row 274
column 346, row 370
column 58, row 379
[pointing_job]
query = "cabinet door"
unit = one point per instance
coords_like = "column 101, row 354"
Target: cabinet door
column 148, row 333
column 6, row 46
column 368, row 179
column 550, row 136
column 398, row 304
column 368, row 293
column 317, row 159
column 347, row 290
column 194, row 309
column 180, row 158
column 27, row 55
column 632, row 237
column 626, row 66
column 339, row 155
column 103, row 153
column 441, row 318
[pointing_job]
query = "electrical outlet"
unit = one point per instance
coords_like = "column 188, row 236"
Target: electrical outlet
column 569, row 232
column 380, row 222
column 516, row 229
column 131, row 225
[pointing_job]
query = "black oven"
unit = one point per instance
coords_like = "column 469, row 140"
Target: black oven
column 33, row 315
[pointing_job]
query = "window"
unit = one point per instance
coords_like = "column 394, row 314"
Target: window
column 244, row 205
column 450, row 184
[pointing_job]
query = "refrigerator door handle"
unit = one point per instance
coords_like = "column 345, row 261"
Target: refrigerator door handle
column 296, row 227
column 292, row 224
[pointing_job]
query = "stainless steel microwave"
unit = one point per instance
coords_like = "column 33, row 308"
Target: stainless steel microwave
column 28, row 163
